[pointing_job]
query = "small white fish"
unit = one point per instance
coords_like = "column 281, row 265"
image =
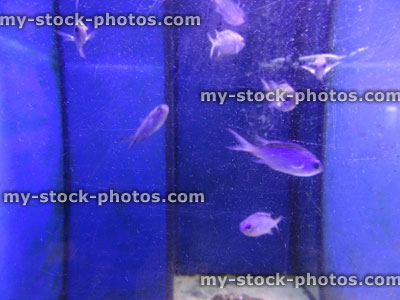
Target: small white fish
column 259, row 223
column 320, row 64
column 290, row 95
column 226, row 42
column 80, row 37
column 153, row 122
column 231, row 12
column 320, row 67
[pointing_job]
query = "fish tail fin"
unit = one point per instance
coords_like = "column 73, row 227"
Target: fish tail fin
column 277, row 220
column 131, row 139
column 244, row 145
column 133, row 142
column 212, row 44
column 82, row 53
column 66, row 37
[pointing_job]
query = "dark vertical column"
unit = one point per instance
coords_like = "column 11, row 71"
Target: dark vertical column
column 171, row 87
column 65, row 156
column 312, row 37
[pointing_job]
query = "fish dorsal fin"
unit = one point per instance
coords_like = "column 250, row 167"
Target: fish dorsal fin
column 279, row 144
column 263, row 214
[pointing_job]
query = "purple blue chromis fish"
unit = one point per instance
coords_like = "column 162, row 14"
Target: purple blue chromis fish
column 290, row 102
column 285, row 157
column 226, row 42
column 80, row 37
column 259, row 223
column 321, row 64
column 320, row 67
column 230, row 11
column 149, row 125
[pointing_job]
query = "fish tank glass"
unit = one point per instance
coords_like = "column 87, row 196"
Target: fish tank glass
column 200, row 150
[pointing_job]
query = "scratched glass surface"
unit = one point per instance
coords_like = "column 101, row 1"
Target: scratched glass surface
column 291, row 186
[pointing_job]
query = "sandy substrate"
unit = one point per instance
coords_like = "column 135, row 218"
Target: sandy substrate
column 188, row 288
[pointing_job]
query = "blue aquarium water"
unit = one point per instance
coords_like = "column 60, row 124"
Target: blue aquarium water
column 120, row 115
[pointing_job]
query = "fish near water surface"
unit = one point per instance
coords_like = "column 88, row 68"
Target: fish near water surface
column 285, row 157
column 80, row 37
column 290, row 95
column 153, row 122
column 230, row 11
column 259, row 223
column 226, row 42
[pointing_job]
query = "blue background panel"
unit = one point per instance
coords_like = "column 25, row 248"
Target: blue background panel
column 116, row 251
column 361, row 224
column 31, row 244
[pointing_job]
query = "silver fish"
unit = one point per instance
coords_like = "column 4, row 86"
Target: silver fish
column 226, row 42
column 290, row 95
column 231, row 12
column 285, row 157
column 321, row 64
column 259, row 223
column 80, row 37
column 320, row 67
column 149, row 125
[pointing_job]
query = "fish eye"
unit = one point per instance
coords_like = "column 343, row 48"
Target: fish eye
column 248, row 227
column 315, row 166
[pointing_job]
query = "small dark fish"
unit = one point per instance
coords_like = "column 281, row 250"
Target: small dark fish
column 80, row 37
column 149, row 125
column 259, row 223
column 285, row 157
